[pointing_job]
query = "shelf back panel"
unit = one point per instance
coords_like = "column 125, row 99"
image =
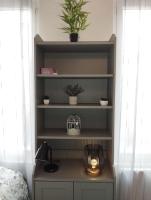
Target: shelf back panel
column 74, row 149
column 92, row 120
column 78, row 63
column 93, row 90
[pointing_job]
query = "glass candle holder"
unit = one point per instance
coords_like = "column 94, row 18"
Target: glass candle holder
column 94, row 159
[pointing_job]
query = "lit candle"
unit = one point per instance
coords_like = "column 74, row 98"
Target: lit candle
column 94, row 163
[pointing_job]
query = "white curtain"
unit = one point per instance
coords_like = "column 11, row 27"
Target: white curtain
column 133, row 100
column 17, row 86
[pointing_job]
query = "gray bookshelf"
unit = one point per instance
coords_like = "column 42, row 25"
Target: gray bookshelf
column 91, row 65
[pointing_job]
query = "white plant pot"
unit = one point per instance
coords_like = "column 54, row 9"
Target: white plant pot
column 73, row 100
column 103, row 102
column 46, row 101
column 73, row 132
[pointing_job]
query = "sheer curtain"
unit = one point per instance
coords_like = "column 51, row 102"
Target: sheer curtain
column 133, row 97
column 16, row 86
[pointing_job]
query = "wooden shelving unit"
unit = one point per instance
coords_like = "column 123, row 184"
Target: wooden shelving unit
column 92, row 66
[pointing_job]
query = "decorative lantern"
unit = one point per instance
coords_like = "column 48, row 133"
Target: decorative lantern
column 94, row 159
column 73, row 125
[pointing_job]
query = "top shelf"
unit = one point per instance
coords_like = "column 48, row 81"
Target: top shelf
column 75, row 46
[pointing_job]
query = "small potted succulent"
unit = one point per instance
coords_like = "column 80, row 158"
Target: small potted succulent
column 46, row 100
column 104, row 101
column 75, row 17
column 72, row 91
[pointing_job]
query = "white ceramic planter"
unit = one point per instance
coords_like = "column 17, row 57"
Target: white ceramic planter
column 73, row 100
column 46, row 101
column 103, row 102
column 73, row 132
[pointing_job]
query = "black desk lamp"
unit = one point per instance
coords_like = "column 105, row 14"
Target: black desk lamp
column 44, row 154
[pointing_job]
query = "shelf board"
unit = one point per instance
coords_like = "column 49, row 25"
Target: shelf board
column 81, row 46
column 78, row 106
column 58, row 134
column 72, row 170
column 75, row 76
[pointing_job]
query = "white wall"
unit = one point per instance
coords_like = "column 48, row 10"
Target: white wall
column 100, row 19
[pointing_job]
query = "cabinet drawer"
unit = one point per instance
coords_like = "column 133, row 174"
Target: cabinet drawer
column 53, row 190
column 93, row 191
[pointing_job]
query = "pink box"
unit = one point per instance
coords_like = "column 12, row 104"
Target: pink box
column 47, row 70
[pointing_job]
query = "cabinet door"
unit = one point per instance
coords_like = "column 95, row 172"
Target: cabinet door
column 93, row 191
column 53, row 190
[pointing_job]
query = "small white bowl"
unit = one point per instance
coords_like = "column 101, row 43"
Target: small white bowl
column 104, row 102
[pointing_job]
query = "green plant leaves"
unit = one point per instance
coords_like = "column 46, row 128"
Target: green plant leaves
column 74, row 16
column 73, row 90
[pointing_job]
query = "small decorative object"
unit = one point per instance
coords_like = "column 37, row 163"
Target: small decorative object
column 48, row 71
column 73, row 91
column 73, row 125
column 94, row 159
column 104, row 102
column 44, row 154
column 46, row 100
column 75, row 18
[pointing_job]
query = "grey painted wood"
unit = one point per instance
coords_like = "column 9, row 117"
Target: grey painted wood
column 40, row 88
column 75, row 47
column 39, row 56
column 65, row 146
column 109, row 43
column 53, row 190
column 82, row 60
column 92, row 65
column 94, row 119
column 72, row 170
column 113, row 93
column 93, row 191
column 58, row 134
column 40, row 120
column 70, row 76
column 113, row 114
column 94, row 89
column 66, row 190
column 81, row 106
column 78, row 63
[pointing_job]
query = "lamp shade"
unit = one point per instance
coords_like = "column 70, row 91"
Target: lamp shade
column 44, row 152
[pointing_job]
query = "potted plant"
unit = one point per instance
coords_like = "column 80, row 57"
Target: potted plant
column 72, row 91
column 75, row 18
column 46, row 100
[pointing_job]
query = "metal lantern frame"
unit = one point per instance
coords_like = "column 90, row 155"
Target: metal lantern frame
column 73, row 124
column 94, row 159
